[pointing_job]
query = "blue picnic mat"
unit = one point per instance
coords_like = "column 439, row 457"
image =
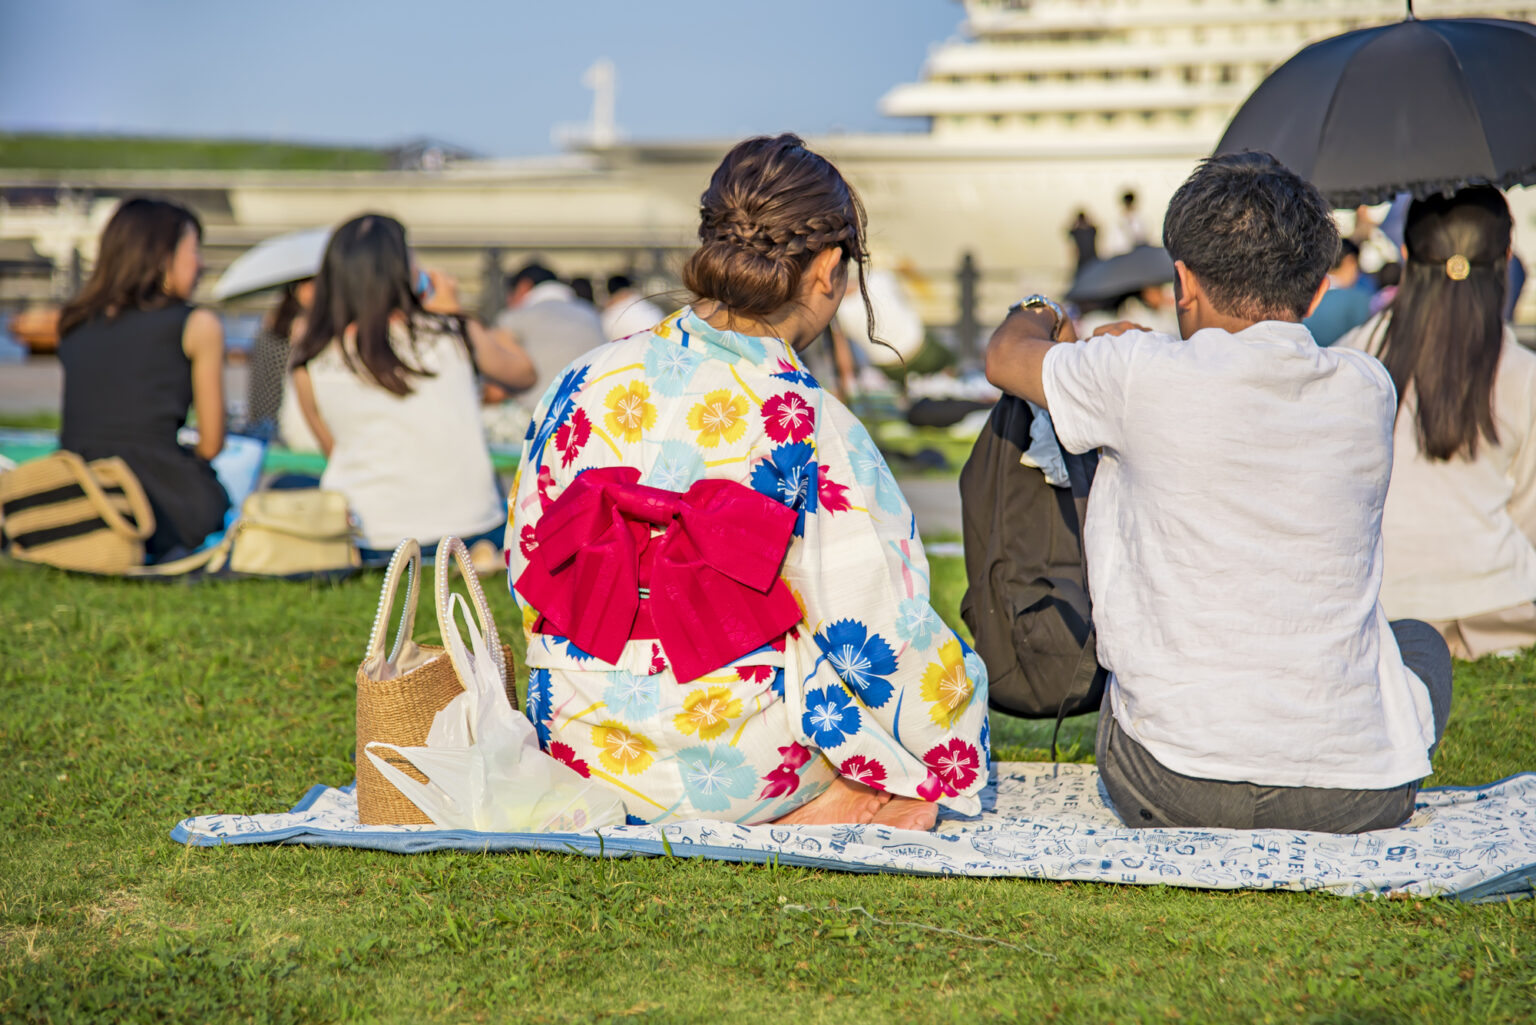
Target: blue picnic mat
column 1040, row 820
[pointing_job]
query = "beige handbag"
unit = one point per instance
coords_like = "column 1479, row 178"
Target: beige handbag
column 300, row 532
column 60, row 510
column 400, row 692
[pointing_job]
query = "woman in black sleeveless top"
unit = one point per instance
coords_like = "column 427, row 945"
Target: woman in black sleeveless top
column 136, row 356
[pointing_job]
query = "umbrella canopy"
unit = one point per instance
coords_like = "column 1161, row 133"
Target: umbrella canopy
column 1419, row 106
column 276, row 261
column 1142, row 267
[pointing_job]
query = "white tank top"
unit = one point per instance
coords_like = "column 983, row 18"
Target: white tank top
column 410, row 465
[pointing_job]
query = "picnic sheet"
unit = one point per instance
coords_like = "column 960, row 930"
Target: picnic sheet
column 1039, row 821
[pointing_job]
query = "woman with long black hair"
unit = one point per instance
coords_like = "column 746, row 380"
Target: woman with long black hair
column 385, row 375
column 136, row 356
column 1461, row 511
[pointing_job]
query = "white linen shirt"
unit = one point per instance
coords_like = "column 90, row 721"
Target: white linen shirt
column 1234, row 553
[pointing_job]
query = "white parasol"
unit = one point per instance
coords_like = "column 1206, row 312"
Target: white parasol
column 275, row 261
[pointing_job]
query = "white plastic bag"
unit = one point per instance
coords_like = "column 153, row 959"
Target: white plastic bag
column 482, row 761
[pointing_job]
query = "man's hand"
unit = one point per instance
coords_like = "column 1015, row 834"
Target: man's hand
column 1018, row 347
column 1119, row 327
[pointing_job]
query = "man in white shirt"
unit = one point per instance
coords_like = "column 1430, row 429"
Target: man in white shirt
column 547, row 319
column 627, row 312
column 1233, row 533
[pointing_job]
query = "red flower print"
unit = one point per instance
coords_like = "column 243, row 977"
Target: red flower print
column 955, row 763
column 754, row 674
column 528, row 541
column 658, row 663
column 833, row 496
column 563, row 753
column 788, row 417
column 546, row 481
column 932, row 788
column 572, row 435
column 862, row 769
column 784, row 779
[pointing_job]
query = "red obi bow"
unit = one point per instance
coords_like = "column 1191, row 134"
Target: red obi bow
column 707, row 588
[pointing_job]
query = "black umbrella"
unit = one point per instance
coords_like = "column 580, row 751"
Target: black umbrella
column 1418, row 106
column 1117, row 276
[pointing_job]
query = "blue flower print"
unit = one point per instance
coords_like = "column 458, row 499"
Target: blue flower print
column 677, row 467
column 670, row 366
column 789, row 475
column 539, row 701
column 778, row 683
column 861, row 658
column 561, row 405
column 714, row 775
column 986, row 739
column 869, row 469
column 633, row 697
column 916, row 622
column 830, row 716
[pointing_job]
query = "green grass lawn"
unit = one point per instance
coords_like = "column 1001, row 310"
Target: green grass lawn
column 130, row 705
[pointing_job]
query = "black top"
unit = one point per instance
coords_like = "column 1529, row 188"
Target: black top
column 127, row 388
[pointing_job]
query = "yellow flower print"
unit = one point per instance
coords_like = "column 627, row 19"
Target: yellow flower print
column 721, row 415
column 947, row 686
column 621, row 749
column 630, row 411
column 707, row 712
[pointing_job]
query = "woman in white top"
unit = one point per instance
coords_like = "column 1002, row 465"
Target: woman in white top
column 386, row 380
column 1461, row 510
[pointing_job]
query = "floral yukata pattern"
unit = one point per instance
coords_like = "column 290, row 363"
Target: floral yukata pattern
column 871, row 684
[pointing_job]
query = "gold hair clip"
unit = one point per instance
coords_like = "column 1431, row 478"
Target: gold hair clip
column 1458, row 267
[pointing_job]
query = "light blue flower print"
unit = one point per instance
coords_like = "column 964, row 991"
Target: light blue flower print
column 732, row 346
column 976, row 669
column 869, row 469
column 632, row 697
column 917, row 623
column 714, row 775
column 677, row 467
column 670, row 366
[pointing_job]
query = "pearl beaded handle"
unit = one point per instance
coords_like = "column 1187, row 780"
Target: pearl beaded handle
column 407, row 561
column 460, row 557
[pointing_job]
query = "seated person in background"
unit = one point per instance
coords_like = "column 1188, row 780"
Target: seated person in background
column 1461, row 510
column 135, row 356
column 387, row 384
column 627, row 312
column 726, row 599
column 546, row 318
column 1233, row 534
column 1346, row 305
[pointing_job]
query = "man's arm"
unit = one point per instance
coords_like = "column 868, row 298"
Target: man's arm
column 1017, row 351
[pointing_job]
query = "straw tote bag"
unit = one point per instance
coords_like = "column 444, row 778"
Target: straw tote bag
column 399, row 692
column 60, row 510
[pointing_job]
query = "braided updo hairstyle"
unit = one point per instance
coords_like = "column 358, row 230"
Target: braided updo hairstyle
column 771, row 206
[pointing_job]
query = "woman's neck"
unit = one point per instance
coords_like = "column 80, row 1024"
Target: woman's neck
column 790, row 327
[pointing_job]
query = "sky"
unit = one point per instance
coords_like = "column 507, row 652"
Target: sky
column 494, row 77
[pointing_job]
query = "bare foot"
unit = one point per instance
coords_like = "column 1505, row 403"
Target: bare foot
column 843, row 803
column 908, row 813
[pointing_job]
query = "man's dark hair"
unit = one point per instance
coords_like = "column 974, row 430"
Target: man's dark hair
column 1259, row 238
column 535, row 273
column 619, row 283
column 1128, row 200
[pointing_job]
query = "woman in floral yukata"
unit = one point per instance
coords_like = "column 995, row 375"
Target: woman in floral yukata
column 726, row 600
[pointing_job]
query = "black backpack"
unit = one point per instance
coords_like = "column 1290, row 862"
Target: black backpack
column 1027, row 603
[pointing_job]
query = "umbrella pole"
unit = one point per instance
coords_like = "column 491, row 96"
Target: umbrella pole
column 1410, row 12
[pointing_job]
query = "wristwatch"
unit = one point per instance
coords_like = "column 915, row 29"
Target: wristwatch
column 1037, row 301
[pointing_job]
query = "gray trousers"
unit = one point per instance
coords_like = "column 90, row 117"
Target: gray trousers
column 1147, row 794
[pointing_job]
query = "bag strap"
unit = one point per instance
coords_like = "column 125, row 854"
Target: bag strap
column 143, row 524
column 455, row 547
column 406, row 561
column 1080, row 471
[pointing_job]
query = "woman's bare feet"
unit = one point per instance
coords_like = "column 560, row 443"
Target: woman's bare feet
column 908, row 813
column 843, row 803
